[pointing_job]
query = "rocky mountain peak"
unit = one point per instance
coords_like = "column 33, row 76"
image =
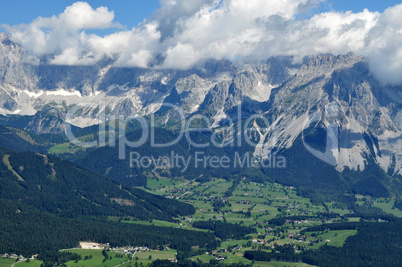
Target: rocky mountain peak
column 8, row 49
column 325, row 65
column 332, row 60
column 7, row 43
column 4, row 37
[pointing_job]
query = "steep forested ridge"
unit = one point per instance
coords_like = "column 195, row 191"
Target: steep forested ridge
column 59, row 187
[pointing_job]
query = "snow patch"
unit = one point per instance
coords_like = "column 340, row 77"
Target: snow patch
column 33, row 94
column 62, row 92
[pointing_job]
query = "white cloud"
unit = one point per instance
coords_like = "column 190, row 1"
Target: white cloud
column 184, row 32
column 63, row 35
column 81, row 16
column 173, row 12
column 182, row 56
column 384, row 46
column 345, row 31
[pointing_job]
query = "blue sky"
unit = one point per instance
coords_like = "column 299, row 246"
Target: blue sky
column 130, row 12
column 359, row 5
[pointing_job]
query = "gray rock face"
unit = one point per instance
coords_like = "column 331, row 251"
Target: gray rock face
column 334, row 91
column 340, row 93
column 16, row 67
column 47, row 121
column 28, row 85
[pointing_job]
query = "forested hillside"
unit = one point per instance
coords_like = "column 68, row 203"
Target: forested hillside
column 27, row 231
column 56, row 186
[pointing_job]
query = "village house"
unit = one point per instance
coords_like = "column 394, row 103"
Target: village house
column 219, row 258
column 92, row 245
column 142, row 249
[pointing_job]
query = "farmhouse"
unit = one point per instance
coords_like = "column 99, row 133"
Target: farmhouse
column 219, row 258
column 91, row 245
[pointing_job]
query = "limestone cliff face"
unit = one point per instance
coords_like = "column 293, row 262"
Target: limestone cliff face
column 331, row 91
column 340, row 93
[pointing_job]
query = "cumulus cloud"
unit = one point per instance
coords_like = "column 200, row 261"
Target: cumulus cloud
column 173, row 13
column 61, row 34
column 183, row 32
column 384, row 46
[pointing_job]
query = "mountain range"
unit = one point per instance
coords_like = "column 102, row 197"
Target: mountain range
column 336, row 94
